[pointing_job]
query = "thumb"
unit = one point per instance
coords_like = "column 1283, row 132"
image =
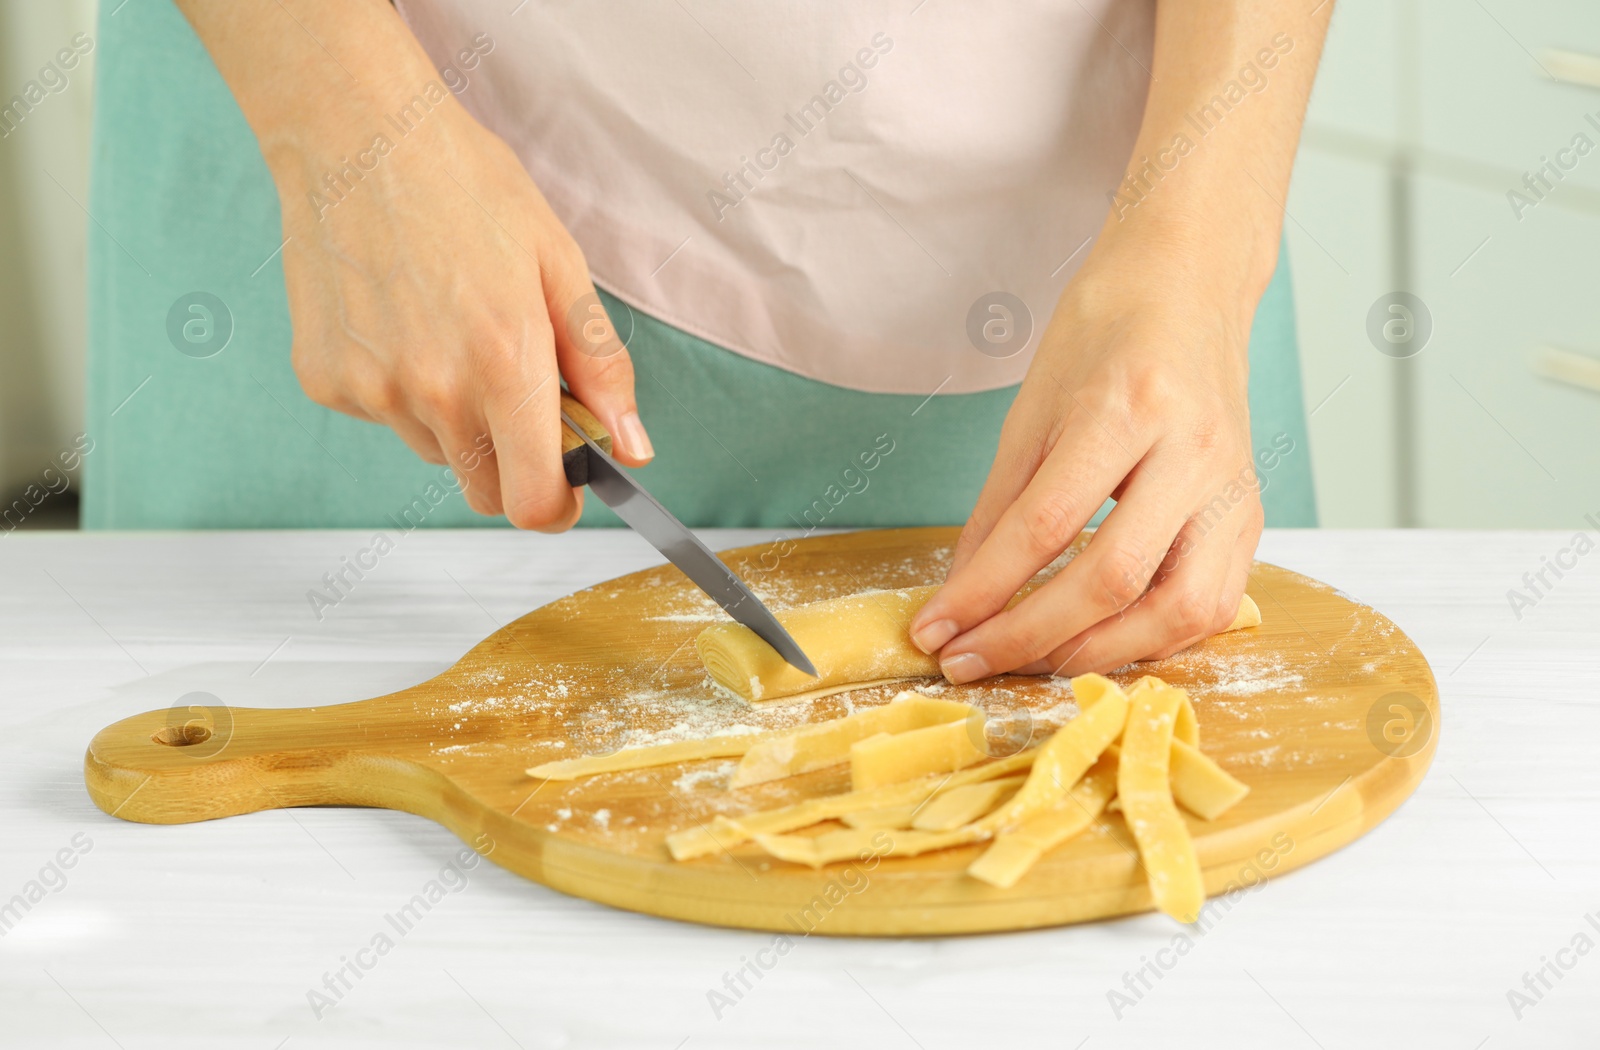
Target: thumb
column 594, row 361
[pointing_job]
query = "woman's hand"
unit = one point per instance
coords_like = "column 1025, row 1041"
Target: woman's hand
column 430, row 287
column 435, row 298
column 1138, row 388
column 1137, row 392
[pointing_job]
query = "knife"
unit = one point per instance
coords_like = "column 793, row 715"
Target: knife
column 585, row 455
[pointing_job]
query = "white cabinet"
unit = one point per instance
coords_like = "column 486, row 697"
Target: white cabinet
column 1498, row 444
column 1426, row 113
column 1339, row 251
column 1483, row 72
column 1361, row 78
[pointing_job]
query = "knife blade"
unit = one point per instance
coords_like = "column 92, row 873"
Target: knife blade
column 645, row 515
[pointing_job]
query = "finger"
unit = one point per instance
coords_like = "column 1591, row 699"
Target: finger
column 1082, row 467
column 1016, row 461
column 1024, row 442
column 1106, row 577
column 592, row 358
column 417, row 437
column 524, row 418
column 432, row 416
column 1232, row 590
column 470, row 453
column 1182, row 606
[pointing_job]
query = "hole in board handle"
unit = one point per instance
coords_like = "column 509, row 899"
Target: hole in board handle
column 182, row 736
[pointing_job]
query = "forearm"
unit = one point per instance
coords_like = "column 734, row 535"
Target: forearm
column 1209, row 172
column 310, row 74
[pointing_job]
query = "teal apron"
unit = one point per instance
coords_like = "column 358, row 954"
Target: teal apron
column 197, row 420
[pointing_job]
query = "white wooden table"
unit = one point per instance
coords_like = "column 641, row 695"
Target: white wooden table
column 212, row 935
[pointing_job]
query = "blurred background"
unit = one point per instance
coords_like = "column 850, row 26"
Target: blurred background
column 1443, row 228
column 44, row 178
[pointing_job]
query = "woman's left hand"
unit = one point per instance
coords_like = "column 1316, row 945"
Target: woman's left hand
column 1137, row 392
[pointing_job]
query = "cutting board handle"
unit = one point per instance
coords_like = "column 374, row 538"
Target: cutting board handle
column 574, row 458
column 184, row 764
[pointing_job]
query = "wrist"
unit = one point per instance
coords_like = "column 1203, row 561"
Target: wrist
column 303, row 144
column 1213, row 238
column 314, row 81
column 1173, row 266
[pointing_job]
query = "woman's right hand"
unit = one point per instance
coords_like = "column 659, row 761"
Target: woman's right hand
column 437, row 293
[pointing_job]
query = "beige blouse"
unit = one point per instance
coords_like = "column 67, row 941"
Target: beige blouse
column 885, row 197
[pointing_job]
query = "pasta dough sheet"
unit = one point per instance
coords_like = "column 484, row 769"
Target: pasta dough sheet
column 858, row 638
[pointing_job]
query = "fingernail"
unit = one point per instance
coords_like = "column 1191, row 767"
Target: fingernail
column 931, row 639
column 964, row 667
column 634, row 439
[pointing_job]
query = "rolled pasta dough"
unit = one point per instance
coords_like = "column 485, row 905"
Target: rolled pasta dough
column 852, row 639
column 858, row 638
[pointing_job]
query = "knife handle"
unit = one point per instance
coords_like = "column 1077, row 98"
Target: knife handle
column 574, row 454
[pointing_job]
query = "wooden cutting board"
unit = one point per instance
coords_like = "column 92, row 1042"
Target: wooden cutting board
column 1326, row 710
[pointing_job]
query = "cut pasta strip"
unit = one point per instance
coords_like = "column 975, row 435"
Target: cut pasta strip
column 1015, row 850
column 887, row 817
column 890, row 759
column 1200, row 785
column 1165, row 847
column 951, row 809
column 859, row 843
column 723, row 833
column 823, row 744
column 726, row 832
column 796, row 849
column 1069, row 752
column 645, row 757
column 917, row 788
column 924, row 710
column 1185, row 726
column 1060, row 762
column 1088, row 689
